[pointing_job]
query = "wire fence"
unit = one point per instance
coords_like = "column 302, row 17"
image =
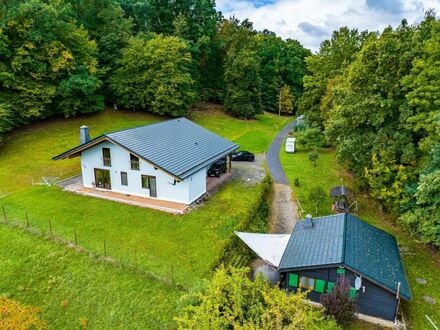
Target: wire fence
column 179, row 273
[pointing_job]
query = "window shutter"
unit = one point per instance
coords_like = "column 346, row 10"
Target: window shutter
column 319, row 286
column 330, row 286
column 352, row 293
column 293, row 280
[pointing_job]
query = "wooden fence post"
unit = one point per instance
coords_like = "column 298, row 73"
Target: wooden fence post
column 4, row 213
column 27, row 220
column 76, row 238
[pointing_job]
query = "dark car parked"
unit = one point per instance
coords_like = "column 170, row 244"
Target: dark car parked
column 245, row 156
column 217, row 168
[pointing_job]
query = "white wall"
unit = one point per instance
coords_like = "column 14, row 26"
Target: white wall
column 197, row 184
column 183, row 192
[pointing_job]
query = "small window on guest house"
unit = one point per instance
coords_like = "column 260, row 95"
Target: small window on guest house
column 306, row 282
column 106, row 159
column 134, row 162
column 124, row 179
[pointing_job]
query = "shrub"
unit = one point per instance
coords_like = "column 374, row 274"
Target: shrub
column 16, row 316
column 313, row 157
column 231, row 300
column 317, row 197
column 339, row 304
column 310, row 137
column 296, row 182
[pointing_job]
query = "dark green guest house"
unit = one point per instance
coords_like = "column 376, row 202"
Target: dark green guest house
column 321, row 250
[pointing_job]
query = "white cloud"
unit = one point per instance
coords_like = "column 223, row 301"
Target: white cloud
column 312, row 21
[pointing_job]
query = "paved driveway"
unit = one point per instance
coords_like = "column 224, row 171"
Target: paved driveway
column 272, row 156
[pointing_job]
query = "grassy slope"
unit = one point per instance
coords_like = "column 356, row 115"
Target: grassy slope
column 26, row 153
column 419, row 260
column 188, row 244
column 44, row 274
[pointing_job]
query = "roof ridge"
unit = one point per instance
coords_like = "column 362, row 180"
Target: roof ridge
column 144, row 125
column 344, row 238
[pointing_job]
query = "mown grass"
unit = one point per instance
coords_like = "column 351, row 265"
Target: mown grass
column 420, row 261
column 26, row 154
column 252, row 135
column 72, row 289
column 184, row 247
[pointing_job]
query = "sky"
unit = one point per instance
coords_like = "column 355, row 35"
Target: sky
column 312, row 21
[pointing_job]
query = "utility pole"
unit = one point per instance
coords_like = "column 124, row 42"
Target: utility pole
column 279, row 103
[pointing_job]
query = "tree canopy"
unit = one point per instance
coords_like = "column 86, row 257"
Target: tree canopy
column 376, row 99
column 68, row 57
column 154, row 74
column 48, row 65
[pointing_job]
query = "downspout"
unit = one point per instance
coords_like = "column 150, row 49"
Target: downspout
column 398, row 302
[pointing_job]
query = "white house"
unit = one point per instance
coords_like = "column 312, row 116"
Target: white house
column 167, row 160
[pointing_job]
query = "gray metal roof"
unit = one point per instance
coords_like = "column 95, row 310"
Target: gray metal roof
column 178, row 146
column 344, row 239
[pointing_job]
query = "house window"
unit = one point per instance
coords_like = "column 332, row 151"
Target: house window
column 106, row 159
column 124, row 179
column 145, row 182
column 134, row 162
column 306, row 282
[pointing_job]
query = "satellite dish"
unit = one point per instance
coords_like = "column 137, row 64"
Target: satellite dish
column 358, row 282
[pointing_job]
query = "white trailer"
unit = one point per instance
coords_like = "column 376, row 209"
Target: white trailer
column 290, row 145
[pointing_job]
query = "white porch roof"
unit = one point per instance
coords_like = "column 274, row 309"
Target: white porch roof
column 269, row 247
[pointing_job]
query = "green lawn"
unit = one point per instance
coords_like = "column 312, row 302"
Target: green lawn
column 187, row 245
column 182, row 248
column 69, row 287
column 26, row 153
column 420, row 260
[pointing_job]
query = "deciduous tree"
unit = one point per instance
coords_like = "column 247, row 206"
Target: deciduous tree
column 154, row 75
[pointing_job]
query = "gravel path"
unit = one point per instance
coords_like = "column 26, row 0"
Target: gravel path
column 284, row 210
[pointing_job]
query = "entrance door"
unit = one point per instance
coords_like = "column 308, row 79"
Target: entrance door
column 152, row 185
column 102, row 179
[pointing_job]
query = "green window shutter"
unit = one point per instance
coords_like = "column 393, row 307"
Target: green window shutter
column 319, row 286
column 340, row 271
column 330, row 286
column 293, row 280
column 352, row 293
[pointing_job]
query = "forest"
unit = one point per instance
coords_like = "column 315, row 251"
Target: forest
column 72, row 57
column 376, row 97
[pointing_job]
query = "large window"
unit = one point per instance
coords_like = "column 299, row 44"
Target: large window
column 134, row 162
column 124, row 179
column 106, row 158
